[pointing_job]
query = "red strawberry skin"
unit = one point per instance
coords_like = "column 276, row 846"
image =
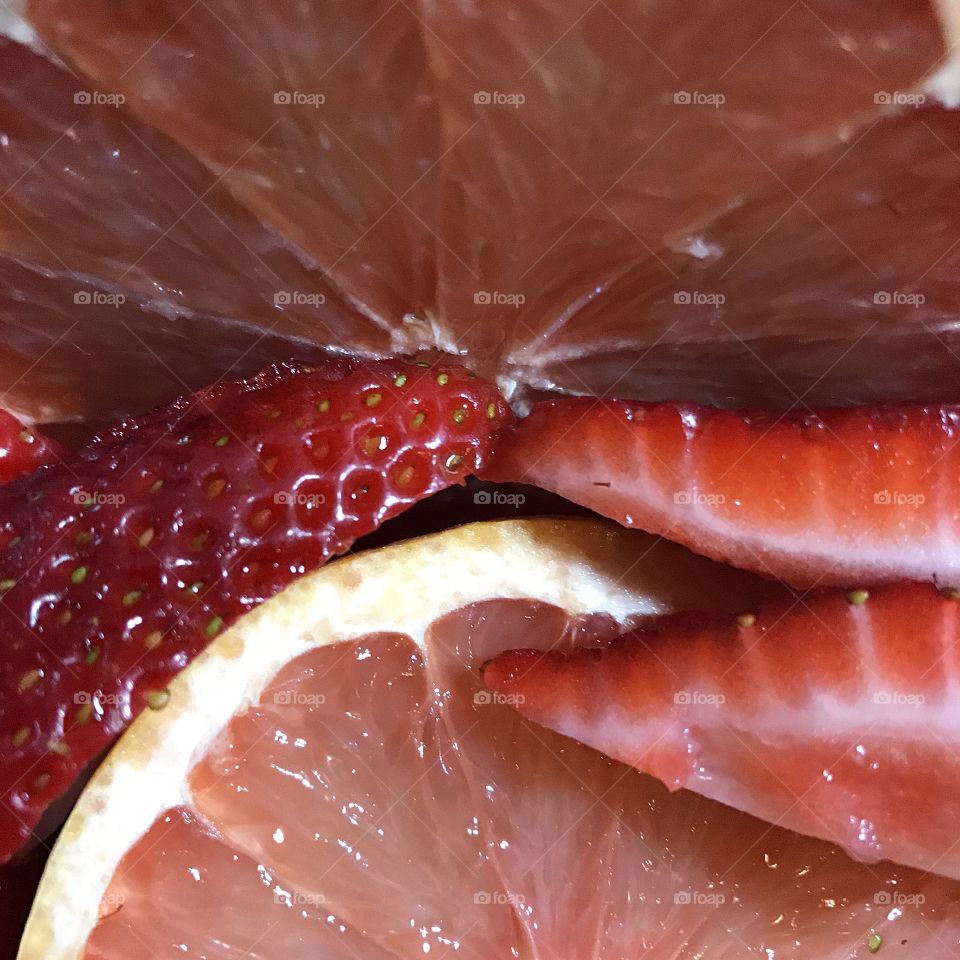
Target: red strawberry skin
column 22, row 449
column 836, row 715
column 862, row 494
column 119, row 564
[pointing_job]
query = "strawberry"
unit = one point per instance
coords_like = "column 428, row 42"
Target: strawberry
column 22, row 449
column 118, row 565
column 862, row 494
column 836, row 715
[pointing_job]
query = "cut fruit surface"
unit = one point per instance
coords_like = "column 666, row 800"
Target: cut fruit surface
column 480, row 187
column 840, row 496
column 834, row 715
column 121, row 562
column 330, row 778
column 127, row 272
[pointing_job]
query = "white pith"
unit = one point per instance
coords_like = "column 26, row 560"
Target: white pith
column 581, row 566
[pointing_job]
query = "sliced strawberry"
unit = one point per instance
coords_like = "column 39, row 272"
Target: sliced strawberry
column 837, row 715
column 22, row 449
column 862, row 494
column 119, row 564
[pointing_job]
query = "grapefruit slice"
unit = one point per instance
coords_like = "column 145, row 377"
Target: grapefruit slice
column 331, row 779
column 482, row 187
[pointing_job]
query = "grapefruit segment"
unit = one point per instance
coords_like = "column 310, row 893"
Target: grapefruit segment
column 835, row 497
column 122, row 359
column 831, row 716
column 215, row 902
column 349, row 799
column 807, row 292
column 349, row 734
column 119, row 250
column 528, row 790
column 90, row 191
column 316, row 116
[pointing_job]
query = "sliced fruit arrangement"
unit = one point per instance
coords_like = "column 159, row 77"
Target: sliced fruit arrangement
column 330, row 778
column 246, row 176
column 840, row 496
column 120, row 563
column 23, row 449
column 835, row 715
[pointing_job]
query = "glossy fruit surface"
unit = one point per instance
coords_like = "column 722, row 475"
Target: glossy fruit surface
column 122, row 562
column 837, row 496
column 761, row 210
column 361, row 795
column 833, row 715
column 22, row 449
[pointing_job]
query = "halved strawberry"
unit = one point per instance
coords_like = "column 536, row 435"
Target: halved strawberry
column 22, row 449
column 119, row 564
column 836, row 715
column 862, row 494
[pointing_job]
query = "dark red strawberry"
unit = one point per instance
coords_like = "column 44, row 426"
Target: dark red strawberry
column 836, row 714
column 843, row 495
column 120, row 563
column 22, row 449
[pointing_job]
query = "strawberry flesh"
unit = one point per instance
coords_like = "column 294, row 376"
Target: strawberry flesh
column 834, row 715
column 22, row 449
column 859, row 494
column 119, row 564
